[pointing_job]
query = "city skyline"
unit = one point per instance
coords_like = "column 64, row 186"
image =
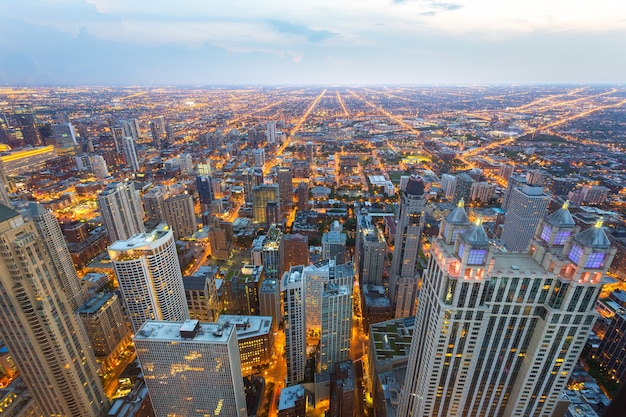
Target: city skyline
column 347, row 43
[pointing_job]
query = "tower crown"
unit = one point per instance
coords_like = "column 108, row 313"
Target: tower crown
column 415, row 185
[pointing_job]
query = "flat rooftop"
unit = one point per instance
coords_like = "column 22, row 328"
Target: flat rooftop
column 289, row 396
column 248, row 326
column 170, row 331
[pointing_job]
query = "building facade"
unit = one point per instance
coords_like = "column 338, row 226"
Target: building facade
column 120, row 207
column 498, row 334
column 148, row 273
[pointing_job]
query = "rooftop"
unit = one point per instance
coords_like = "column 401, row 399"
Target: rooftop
column 247, row 326
column 289, row 396
column 95, row 303
column 170, row 331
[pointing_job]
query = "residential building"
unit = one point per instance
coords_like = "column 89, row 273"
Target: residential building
column 293, row 289
column 120, row 207
column 334, row 243
column 180, row 215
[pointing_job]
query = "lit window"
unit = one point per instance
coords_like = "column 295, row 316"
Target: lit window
column 545, row 233
column 561, row 237
column 575, row 253
column 595, row 260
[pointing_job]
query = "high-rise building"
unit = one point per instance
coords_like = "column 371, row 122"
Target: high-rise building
column 293, row 291
column 120, row 207
column 259, row 157
column 5, row 186
column 103, row 318
column 99, row 166
column 131, row 128
column 180, row 215
column 52, row 238
column 612, row 350
column 303, row 196
column 334, row 243
column 153, row 203
column 273, row 253
column 285, row 178
column 148, row 273
column 191, row 368
column 39, row 327
column 295, row 250
column 316, row 276
column 448, row 185
column 130, row 152
column 205, row 190
column 343, row 390
column 270, row 301
column 336, row 326
column 462, row 188
column 505, row 171
column 403, row 276
column 270, row 133
column 527, row 206
column 256, row 340
column 498, row 333
column 261, row 195
column 514, row 181
column 27, row 122
column 370, row 251
column 310, row 152
column 482, row 192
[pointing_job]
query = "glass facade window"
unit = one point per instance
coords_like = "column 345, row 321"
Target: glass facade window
column 595, row 260
column 575, row 253
column 476, row 257
column 545, row 233
column 561, row 237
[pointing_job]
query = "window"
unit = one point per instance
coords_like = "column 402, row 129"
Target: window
column 545, row 233
column 575, row 253
column 595, row 260
column 561, row 237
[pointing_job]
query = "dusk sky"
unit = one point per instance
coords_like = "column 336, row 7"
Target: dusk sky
column 330, row 42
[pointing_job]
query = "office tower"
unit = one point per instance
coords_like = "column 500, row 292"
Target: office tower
column 261, row 195
column 514, row 181
column 316, row 276
column 103, row 319
column 259, row 157
column 54, row 242
column 403, row 276
column 285, row 178
column 612, row 351
column 205, row 190
column 498, row 334
column 292, row 289
column 255, row 338
column 131, row 128
column 273, row 253
column 39, row 327
column 336, row 326
column 448, row 185
column 130, row 152
column 310, row 152
column 370, row 250
column 527, row 206
column 334, row 243
column 272, row 213
column 120, row 207
column 191, row 368
column 295, row 250
column 303, row 196
column 270, row 301
column 148, row 273
column 343, row 390
column 99, row 166
column 153, row 203
column 64, row 134
column 27, row 122
column 220, row 239
column 180, row 215
column 270, row 132
column 463, row 188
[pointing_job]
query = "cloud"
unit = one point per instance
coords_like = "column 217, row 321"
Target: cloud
column 311, row 35
column 446, row 6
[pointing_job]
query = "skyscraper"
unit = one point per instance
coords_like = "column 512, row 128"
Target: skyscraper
column 336, row 326
column 180, row 215
column 285, row 178
column 130, row 152
column 403, row 275
column 25, row 117
column 52, row 238
column 191, row 369
column 39, row 327
column 370, row 251
column 261, row 195
column 527, row 206
column 148, row 272
column 273, row 255
column 295, row 250
column 462, row 187
column 293, row 292
column 153, row 203
column 513, row 182
column 120, row 207
column 334, row 243
column 498, row 334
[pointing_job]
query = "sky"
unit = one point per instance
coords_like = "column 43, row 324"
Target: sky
column 315, row 42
